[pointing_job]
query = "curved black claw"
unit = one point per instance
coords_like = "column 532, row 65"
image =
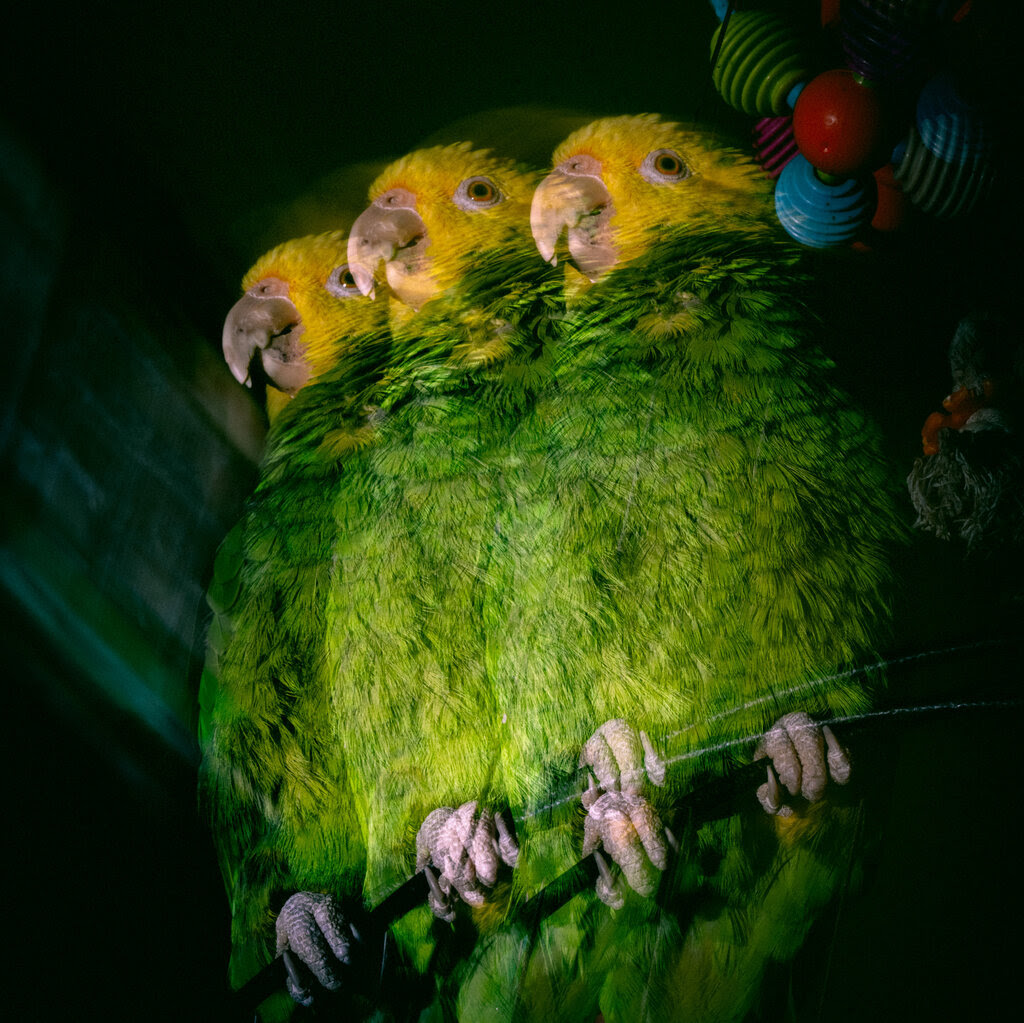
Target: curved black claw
column 315, row 941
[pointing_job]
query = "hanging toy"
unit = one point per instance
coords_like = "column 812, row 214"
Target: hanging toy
column 759, row 61
column 960, row 408
column 774, row 145
column 947, row 166
column 885, row 43
column 837, row 123
column 818, row 211
column 891, row 203
column 839, row 119
column 968, row 485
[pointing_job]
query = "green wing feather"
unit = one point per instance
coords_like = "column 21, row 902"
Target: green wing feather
column 694, row 537
column 273, row 779
column 417, row 515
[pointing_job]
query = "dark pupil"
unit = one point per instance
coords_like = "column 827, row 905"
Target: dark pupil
column 347, row 280
column 480, row 190
column 668, row 165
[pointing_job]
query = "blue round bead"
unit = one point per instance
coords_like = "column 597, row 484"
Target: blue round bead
column 949, row 126
column 818, row 214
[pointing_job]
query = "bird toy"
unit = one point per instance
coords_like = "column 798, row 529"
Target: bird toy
column 852, row 146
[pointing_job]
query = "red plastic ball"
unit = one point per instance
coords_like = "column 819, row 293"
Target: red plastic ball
column 837, row 123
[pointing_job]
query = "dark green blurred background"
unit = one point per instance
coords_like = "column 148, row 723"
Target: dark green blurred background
column 147, row 154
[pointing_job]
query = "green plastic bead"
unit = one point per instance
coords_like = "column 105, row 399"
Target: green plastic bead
column 760, row 61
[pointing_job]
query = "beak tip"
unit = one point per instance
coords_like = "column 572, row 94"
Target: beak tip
column 546, row 249
column 360, row 262
column 240, row 372
column 233, row 358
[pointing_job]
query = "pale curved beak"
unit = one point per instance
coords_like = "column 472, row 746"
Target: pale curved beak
column 265, row 325
column 581, row 205
column 386, row 227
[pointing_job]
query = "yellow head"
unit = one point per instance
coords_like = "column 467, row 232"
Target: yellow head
column 619, row 183
column 300, row 312
column 430, row 212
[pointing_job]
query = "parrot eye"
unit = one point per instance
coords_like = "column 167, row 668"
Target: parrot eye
column 664, row 166
column 477, row 193
column 341, row 283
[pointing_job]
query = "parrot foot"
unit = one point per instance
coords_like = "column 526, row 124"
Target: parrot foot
column 619, row 818
column 467, row 847
column 802, row 755
column 620, row 758
column 629, row 829
column 315, row 941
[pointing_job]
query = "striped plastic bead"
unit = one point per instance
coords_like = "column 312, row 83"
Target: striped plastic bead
column 816, row 213
column 760, row 61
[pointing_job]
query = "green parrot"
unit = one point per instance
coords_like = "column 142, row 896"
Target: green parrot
column 675, row 552
column 300, row 315
column 287, row 329
column 328, row 665
column 693, row 567
column 740, row 548
column 572, row 543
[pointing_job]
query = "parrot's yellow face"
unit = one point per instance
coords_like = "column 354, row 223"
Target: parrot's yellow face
column 300, row 312
column 430, row 212
column 621, row 182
